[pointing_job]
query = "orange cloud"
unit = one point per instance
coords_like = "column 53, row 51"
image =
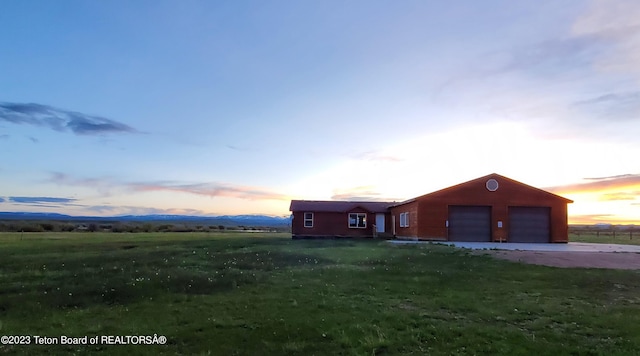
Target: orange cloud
column 619, row 183
column 590, row 219
column 211, row 190
column 107, row 185
column 620, row 196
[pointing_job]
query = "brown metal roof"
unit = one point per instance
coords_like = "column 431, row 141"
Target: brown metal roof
column 338, row 206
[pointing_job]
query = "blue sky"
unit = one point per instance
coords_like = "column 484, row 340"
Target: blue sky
column 211, row 107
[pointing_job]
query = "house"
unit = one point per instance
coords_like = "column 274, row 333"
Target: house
column 492, row 208
column 339, row 218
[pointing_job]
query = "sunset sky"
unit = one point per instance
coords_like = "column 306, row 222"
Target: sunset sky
column 237, row 107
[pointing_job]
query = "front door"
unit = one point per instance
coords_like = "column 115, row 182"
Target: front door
column 380, row 222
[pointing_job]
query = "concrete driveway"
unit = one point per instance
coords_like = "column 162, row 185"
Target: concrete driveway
column 568, row 247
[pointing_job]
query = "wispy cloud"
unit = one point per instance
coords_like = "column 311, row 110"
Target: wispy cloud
column 617, row 196
column 209, row 189
column 137, row 210
column 616, row 177
column 4, row 137
column 591, row 218
column 617, row 22
column 613, row 106
column 555, row 56
column 60, row 120
column 541, row 60
column 620, row 182
column 104, row 185
column 376, row 156
column 602, row 39
column 40, row 200
column 362, row 193
column 43, row 202
column 238, row 148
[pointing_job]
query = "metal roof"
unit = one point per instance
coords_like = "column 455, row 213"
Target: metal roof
column 338, row 206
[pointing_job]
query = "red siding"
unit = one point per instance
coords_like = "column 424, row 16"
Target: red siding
column 434, row 208
column 412, row 229
column 334, row 224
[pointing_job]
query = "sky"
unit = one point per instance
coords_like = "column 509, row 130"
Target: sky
column 237, row 107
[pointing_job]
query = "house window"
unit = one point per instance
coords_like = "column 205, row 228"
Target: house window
column 404, row 219
column 308, row 219
column 358, row 220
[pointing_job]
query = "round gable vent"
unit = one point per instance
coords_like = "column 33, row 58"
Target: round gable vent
column 492, row 185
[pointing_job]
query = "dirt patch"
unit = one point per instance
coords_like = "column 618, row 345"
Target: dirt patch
column 613, row 260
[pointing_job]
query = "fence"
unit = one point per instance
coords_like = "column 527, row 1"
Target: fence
column 611, row 232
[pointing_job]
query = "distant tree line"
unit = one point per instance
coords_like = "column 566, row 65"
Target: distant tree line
column 119, row 227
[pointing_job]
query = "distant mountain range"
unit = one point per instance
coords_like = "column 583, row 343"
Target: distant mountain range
column 235, row 220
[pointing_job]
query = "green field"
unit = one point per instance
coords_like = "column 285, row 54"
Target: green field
column 606, row 237
column 261, row 294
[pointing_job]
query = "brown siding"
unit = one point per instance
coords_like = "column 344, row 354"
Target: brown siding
column 434, row 207
column 432, row 222
column 412, row 230
column 330, row 224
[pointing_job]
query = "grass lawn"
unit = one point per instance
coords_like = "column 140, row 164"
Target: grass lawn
column 262, row 294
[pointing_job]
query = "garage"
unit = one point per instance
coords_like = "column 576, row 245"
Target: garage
column 492, row 208
column 529, row 224
column 470, row 223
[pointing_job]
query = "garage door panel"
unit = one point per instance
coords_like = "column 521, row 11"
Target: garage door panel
column 470, row 223
column 529, row 224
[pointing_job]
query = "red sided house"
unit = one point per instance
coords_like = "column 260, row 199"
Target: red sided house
column 492, row 208
column 339, row 218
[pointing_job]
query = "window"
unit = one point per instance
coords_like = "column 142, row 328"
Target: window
column 404, row 219
column 308, row 219
column 357, row 220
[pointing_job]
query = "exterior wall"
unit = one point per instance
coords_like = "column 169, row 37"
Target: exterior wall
column 434, row 208
column 334, row 224
column 432, row 222
column 412, row 230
